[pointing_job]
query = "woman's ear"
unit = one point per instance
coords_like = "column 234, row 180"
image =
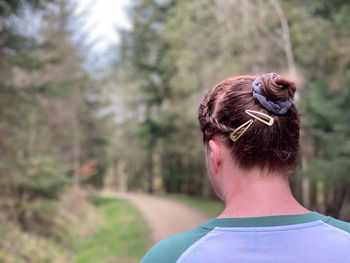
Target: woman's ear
column 215, row 154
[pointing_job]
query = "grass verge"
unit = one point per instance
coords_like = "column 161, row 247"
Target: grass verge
column 121, row 237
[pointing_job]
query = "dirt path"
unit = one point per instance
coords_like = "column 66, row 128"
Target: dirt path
column 164, row 217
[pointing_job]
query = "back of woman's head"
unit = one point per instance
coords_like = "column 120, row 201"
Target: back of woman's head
column 222, row 110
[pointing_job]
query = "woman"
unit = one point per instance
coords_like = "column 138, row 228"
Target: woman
column 251, row 132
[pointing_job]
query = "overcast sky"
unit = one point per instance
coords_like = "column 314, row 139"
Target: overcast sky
column 102, row 18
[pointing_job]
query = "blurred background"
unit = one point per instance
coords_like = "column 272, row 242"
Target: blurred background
column 99, row 98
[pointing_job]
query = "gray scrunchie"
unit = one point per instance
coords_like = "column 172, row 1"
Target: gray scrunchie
column 279, row 107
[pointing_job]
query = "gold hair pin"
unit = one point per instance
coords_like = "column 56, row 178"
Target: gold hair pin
column 234, row 137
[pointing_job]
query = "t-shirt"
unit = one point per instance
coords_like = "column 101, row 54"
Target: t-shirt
column 310, row 237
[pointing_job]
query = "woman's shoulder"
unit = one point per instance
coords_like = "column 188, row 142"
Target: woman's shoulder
column 171, row 248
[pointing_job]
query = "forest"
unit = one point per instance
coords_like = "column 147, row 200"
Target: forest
column 70, row 128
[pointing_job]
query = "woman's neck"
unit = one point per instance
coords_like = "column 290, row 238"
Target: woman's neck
column 258, row 195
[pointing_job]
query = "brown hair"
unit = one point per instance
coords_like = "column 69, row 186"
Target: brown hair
column 223, row 109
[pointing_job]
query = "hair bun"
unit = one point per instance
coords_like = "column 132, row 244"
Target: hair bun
column 276, row 87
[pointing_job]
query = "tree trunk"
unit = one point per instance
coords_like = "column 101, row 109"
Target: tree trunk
column 320, row 196
column 286, row 36
column 344, row 211
column 150, row 171
column 305, row 184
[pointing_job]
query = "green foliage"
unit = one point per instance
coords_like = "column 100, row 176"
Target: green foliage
column 10, row 7
column 111, row 230
column 49, row 129
column 55, row 229
column 20, row 247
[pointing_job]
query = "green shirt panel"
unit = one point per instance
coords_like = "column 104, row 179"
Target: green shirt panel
column 171, row 248
column 339, row 224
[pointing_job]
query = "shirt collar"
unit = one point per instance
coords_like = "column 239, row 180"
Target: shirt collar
column 277, row 220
